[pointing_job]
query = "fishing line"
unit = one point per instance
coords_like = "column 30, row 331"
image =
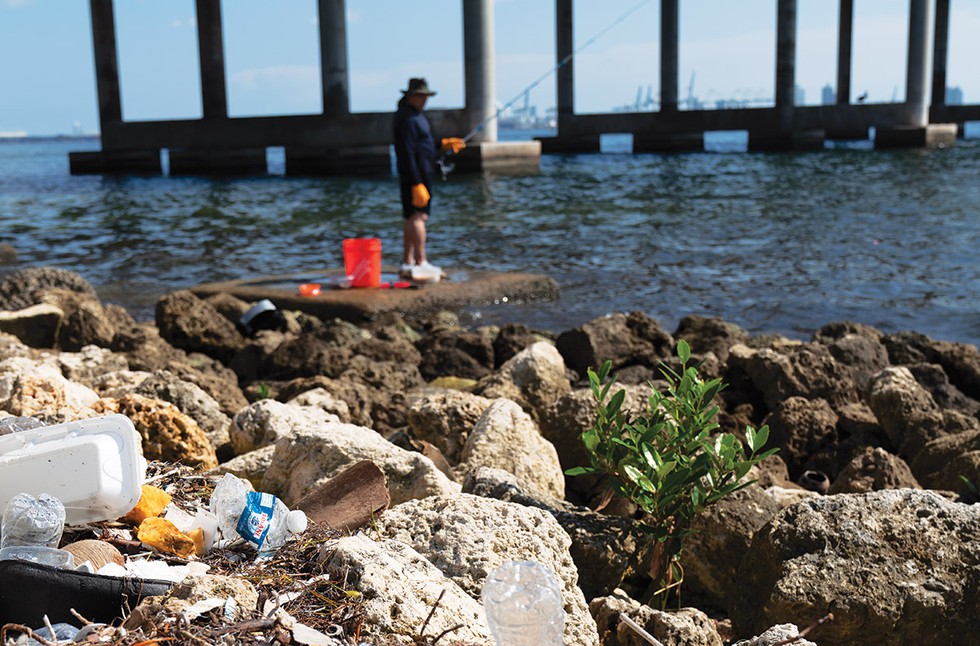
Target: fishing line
column 446, row 165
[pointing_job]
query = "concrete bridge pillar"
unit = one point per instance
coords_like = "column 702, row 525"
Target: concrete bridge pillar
column 110, row 104
column 917, row 131
column 566, row 141
column 845, row 39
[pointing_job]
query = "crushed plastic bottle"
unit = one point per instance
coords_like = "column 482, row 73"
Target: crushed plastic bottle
column 522, row 600
column 260, row 518
column 32, row 521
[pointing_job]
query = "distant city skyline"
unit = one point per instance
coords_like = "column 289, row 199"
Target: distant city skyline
column 727, row 54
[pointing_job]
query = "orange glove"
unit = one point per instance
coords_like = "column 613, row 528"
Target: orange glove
column 420, row 196
column 454, row 144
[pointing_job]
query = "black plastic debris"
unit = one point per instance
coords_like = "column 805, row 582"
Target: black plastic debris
column 262, row 316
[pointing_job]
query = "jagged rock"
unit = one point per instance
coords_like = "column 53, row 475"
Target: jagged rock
column 906, row 411
column 250, row 466
column 36, row 388
column 607, row 550
column 11, row 346
column 357, row 396
column 446, row 419
column 959, row 360
column 25, row 287
column 8, row 254
column 710, row 335
column 720, row 539
column 36, row 326
column 266, row 421
column 467, row 537
column 683, row 627
column 805, row 370
column 874, row 470
column 778, row 636
column 325, row 401
column 118, row 382
column 511, row 339
column 786, row 496
column 895, row 567
column 630, row 340
column 943, row 460
column 85, row 321
column 90, row 364
column 933, row 378
column 192, row 324
column 310, row 456
column 505, row 437
column 799, row 427
column 168, row 434
column 230, row 307
column 193, row 402
column 342, row 334
column 395, row 351
column 457, row 354
column 190, row 591
column 857, row 346
column 534, row 378
column 400, row 588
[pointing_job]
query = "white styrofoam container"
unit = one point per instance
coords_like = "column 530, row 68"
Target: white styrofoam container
column 94, row 466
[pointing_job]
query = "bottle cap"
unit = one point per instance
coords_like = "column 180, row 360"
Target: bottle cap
column 296, row 521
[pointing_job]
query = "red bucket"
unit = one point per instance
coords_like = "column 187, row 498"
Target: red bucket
column 362, row 261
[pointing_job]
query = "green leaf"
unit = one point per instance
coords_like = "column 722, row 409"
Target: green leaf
column 683, row 351
column 761, row 437
column 579, row 471
column 632, row 472
column 615, row 403
column 591, row 439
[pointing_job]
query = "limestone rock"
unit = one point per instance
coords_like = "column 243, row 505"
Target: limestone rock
column 906, row 411
column 400, row 588
column 683, row 627
column 249, row 466
column 25, row 287
column 721, row 538
column 456, row 354
column 85, row 321
column 267, row 420
column 467, row 537
column 534, row 378
column 446, row 419
column 168, row 434
column 191, row 400
column 779, row 635
column 505, row 437
column 712, row 335
column 511, row 339
column 806, row 370
column 191, row 324
column 35, row 325
column 325, row 401
column 799, row 426
column 898, row 565
column 874, row 470
column 90, row 364
column 607, row 549
column 192, row 590
column 623, row 340
column 310, row 456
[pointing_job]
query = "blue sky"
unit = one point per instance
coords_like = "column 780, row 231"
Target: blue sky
column 727, row 49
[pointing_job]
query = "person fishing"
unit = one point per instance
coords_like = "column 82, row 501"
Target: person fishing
column 415, row 155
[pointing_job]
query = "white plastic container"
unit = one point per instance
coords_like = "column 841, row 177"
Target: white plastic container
column 94, row 466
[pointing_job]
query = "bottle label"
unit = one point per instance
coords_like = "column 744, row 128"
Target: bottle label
column 253, row 524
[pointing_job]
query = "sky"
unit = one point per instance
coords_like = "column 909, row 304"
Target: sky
column 727, row 51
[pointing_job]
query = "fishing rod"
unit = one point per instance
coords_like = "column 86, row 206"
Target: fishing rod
column 446, row 165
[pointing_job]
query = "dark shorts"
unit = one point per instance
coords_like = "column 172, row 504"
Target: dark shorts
column 406, row 192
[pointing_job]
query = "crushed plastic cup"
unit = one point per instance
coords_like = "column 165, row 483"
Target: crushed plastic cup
column 39, row 554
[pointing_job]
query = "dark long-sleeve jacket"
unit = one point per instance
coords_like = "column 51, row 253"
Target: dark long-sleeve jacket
column 415, row 147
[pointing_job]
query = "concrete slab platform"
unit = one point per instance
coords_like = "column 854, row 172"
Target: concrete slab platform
column 460, row 289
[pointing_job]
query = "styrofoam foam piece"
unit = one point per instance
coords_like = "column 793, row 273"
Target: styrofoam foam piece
column 94, row 466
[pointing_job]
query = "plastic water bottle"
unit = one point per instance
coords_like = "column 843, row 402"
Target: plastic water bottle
column 30, row 521
column 260, row 518
column 10, row 425
column 522, row 600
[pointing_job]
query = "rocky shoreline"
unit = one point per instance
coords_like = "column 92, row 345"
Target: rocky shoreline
column 866, row 512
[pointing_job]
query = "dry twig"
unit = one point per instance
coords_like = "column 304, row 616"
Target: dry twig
column 828, row 617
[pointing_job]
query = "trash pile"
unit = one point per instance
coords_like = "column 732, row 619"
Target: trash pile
column 98, row 546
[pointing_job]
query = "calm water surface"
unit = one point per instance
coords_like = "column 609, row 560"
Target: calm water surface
column 774, row 242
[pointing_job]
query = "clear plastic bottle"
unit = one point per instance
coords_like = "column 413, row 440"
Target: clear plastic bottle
column 10, row 425
column 32, row 521
column 522, row 600
column 260, row 518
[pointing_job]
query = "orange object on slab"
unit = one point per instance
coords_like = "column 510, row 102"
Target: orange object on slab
column 161, row 534
column 153, row 501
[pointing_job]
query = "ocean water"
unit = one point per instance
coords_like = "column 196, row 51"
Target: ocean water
column 777, row 243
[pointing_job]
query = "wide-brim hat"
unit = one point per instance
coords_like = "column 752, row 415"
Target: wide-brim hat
column 418, row 86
